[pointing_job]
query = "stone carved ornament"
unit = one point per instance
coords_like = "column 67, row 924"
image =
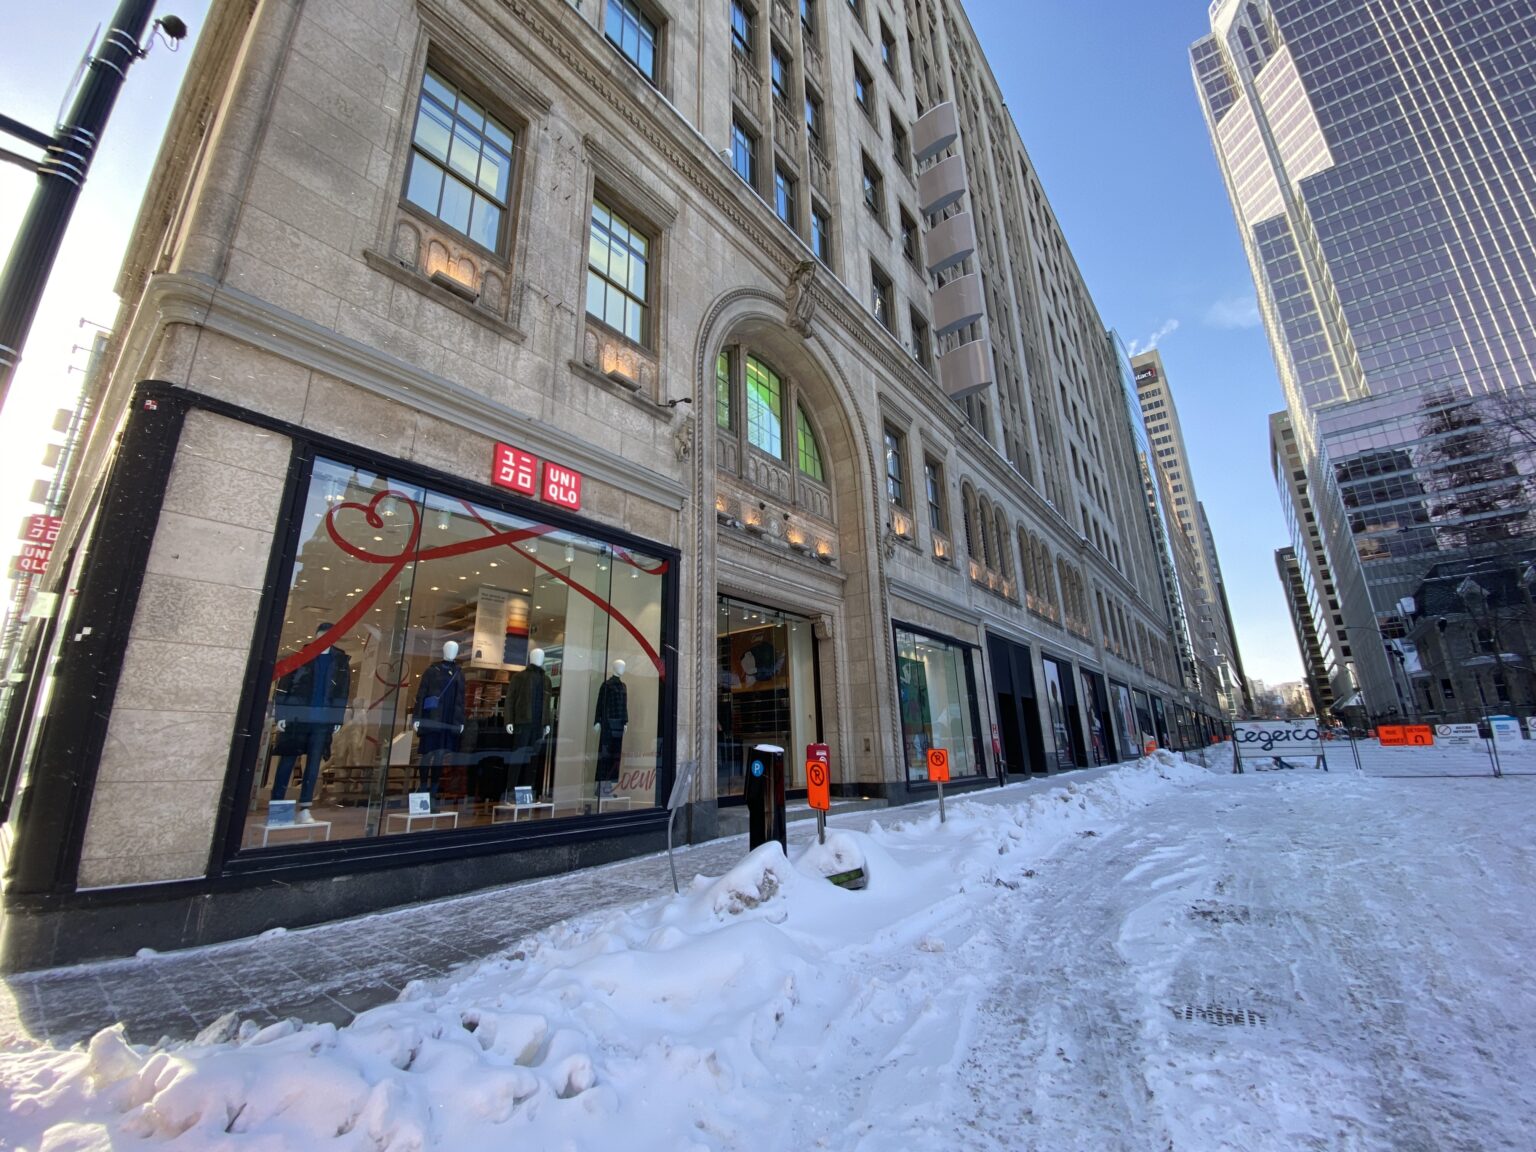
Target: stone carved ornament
column 799, row 304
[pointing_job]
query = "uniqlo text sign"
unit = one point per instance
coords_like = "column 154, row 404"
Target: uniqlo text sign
column 521, row 471
column 516, row 470
column 38, row 534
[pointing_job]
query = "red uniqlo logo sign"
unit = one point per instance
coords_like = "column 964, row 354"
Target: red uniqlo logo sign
column 33, row 558
column 516, row 470
column 38, row 534
column 562, row 486
column 42, row 529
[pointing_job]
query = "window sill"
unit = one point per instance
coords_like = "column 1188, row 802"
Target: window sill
column 411, row 278
column 625, row 391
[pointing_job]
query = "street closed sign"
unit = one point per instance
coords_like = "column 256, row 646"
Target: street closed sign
column 938, row 766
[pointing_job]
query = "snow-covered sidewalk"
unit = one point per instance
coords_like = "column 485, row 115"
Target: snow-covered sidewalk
column 1154, row 957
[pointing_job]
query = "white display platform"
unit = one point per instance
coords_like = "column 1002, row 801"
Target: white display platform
column 411, row 818
column 498, row 812
column 268, row 829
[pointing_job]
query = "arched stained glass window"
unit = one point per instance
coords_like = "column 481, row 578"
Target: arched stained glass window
column 808, row 451
column 765, row 408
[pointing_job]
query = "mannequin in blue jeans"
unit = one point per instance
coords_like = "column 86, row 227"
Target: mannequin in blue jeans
column 311, row 704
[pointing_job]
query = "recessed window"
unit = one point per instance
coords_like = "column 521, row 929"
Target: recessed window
column 857, row 8
column 779, row 64
column 725, row 409
column 808, row 20
column 874, row 189
column 880, row 296
column 741, row 29
column 821, row 236
column 744, row 153
column 813, row 118
column 618, row 273
column 863, row 87
column 933, row 486
column 461, row 163
column 765, row 408
column 807, row 451
column 895, row 468
column 633, row 34
column 909, row 236
column 899, row 146
column 887, row 49
column 784, row 196
column 922, row 343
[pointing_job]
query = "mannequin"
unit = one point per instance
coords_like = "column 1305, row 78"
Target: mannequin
column 311, row 705
column 439, row 712
column 610, row 719
column 528, row 712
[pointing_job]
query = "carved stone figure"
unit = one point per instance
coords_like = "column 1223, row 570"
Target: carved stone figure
column 799, row 304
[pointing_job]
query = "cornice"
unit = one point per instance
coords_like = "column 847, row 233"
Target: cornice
column 196, row 301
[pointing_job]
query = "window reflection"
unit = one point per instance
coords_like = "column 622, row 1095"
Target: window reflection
column 446, row 665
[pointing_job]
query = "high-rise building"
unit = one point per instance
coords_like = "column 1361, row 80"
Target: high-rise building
column 1307, row 640
column 1210, row 617
column 1381, row 163
column 517, row 411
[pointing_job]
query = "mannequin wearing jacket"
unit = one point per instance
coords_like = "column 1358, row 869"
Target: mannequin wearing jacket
column 609, row 721
column 439, row 713
column 528, row 712
column 310, row 704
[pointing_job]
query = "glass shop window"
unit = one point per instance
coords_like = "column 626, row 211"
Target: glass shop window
column 448, row 665
column 935, row 695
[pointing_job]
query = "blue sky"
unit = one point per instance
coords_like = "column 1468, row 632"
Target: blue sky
column 1102, row 97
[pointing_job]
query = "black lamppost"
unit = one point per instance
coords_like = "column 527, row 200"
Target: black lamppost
column 61, row 173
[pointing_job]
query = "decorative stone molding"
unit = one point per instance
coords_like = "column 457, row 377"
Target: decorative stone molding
column 622, row 361
column 799, row 303
column 762, row 473
column 682, row 438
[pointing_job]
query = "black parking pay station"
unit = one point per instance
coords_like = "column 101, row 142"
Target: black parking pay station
column 765, row 797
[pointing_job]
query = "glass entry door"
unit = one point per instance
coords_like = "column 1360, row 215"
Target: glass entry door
column 766, row 692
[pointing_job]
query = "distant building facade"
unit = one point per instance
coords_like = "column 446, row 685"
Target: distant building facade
column 1379, row 160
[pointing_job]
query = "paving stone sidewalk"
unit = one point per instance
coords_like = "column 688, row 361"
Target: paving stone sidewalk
column 331, row 972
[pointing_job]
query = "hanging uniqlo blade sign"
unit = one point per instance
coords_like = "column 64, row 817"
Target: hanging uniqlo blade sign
column 515, row 469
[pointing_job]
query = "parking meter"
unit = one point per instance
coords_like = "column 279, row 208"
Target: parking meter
column 765, row 796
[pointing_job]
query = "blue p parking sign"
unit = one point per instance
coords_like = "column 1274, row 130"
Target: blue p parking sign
column 757, row 767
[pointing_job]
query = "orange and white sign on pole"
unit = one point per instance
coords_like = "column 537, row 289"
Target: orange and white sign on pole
column 938, row 766
column 818, row 786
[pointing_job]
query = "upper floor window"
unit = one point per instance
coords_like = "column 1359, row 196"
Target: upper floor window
column 618, row 273
column 725, row 409
column 807, row 450
column 461, row 163
column 887, row 49
column 634, row 34
column 741, row 29
column 780, row 75
column 895, row 468
column 922, row 342
column 765, row 408
column 863, row 87
column 874, row 188
column 744, row 153
column 813, row 118
column 808, row 20
column 909, row 237
column 880, row 296
column 784, row 196
column 821, row 236
column 899, row 147
column 933, row 488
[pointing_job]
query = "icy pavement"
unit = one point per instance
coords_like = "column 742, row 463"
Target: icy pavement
column 1150, row 957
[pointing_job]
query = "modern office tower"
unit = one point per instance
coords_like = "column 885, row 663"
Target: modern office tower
column 1381, row 163
column 517, row 410
column 1308, row 641
column 1211, row 620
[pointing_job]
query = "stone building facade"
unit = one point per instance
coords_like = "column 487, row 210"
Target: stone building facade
column 514, row 405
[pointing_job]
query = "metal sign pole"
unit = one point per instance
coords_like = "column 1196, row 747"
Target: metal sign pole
column 682, row 787
column 821, row 826
column 941, row 802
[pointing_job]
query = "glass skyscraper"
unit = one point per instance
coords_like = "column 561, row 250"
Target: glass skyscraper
column 1380, row 156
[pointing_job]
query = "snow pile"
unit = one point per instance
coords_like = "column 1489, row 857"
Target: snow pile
column 1036, row 963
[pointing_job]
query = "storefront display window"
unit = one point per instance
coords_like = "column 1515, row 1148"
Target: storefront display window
column 936, row 696
column 767, row 690
column 1126, row 728
column 444, row 664
column 1144, row 729
column 1096, row 709
column 1061, row 701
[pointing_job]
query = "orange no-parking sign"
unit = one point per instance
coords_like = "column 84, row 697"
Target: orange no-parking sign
column 938, row 766
column 818, row 788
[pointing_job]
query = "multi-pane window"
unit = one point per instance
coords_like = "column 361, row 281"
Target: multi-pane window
column 618, row 270
column 744, row 153
column 765, row 408
column 808, row 20
column 725, row 410
column 899, row 148
column 806, row 449
column 741, row 29
column 887, row 49
column 813, row 118
column 780, row 75
column 863, row 87
column 633, row 34
column 933, row 486
column 921, row 341
column 909, row 237
column 784, row 196
column 874, row 188
column 880, row 296
column 895, row 469
column 461, row 163
column 821, row 236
